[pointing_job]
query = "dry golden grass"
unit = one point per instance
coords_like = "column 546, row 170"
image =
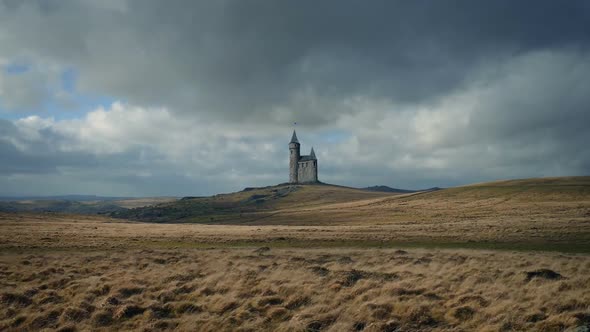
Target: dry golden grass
column 332, row 265
column 508, row 203
column 292, row 290
column 83, row 232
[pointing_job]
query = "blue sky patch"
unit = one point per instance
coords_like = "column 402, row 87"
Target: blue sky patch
column 16, row 68
column 69, row 77
column 334, row 136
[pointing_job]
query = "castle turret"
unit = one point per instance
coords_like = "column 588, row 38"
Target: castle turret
column 294, row 155
column 314, row 174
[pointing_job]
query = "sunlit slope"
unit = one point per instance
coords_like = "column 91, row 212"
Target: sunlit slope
column 555, row 189
column 566, row 200
column 540, row 200
column 249, row 205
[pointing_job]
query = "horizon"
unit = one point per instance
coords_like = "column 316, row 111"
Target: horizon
column 195, row 98
column 41, row 197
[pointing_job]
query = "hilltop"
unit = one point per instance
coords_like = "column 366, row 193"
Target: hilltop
column 388, row 189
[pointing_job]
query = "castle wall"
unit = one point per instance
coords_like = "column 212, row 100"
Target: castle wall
column 307, row 171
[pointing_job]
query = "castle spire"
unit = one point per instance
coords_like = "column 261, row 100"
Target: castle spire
column 312, row 154
column 294, row 138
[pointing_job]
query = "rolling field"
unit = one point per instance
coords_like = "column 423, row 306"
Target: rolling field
column 309, row 258
column 551, row 213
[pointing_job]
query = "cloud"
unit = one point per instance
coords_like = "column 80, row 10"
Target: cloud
column 22, row 91
column 280, row 61
column 522, row 118
column 409, row 94
column 136, row 151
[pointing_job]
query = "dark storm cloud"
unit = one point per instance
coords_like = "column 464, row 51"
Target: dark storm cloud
column 248, row 60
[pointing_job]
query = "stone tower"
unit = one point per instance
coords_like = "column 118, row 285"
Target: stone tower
column 302, row 169
column 294, row 155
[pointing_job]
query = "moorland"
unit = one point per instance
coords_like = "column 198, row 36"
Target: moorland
column 502, row 256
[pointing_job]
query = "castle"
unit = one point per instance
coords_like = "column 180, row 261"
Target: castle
column 302, row 169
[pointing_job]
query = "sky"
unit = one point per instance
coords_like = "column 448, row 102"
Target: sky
column 198, row 97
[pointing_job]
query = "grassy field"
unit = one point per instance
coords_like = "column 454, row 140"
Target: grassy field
column 311, row 258
column 293, row 290
column 72, row 232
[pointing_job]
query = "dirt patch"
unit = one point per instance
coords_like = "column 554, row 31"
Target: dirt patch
column 129, row 291
column 464, row 313
column 15, row 299
column 128, row 311
column 319, row 324
column 349, row 278
column 543, row 274
column 320, row 270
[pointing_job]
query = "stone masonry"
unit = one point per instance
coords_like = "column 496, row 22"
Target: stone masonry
column 302, row 169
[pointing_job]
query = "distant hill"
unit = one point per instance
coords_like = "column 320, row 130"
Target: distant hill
column 78, row 204
column 387, row 189
column 76, row 198
column 63, row 206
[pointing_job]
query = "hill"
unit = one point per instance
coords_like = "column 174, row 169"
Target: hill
column 66, row 206
column 249, row 205
column 507, row 201
column 76, row 198
column 77, row 204
column 387, row 189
